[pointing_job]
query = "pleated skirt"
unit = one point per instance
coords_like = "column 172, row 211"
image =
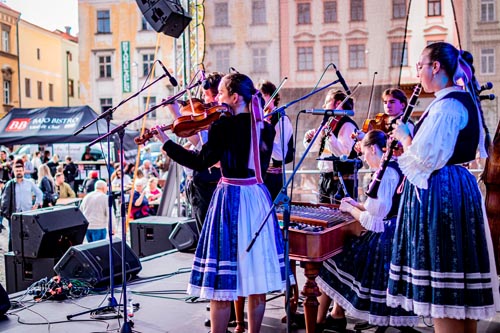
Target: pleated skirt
column 222, row 268
column 442, row 264
column 357, row 278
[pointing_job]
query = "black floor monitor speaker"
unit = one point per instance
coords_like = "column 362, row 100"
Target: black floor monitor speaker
column 23, row 272
column 90, row 262
column 149, row 235
column 47, row 232
column 184, row 236
column 165, row 16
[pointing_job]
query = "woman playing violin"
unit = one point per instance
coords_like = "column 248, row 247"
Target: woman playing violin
column 222, row 269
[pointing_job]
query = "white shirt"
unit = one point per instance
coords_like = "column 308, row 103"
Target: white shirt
column 277, row 154
column 377, row 209
column 337, row 146
column 434, row 143
column 95, row 209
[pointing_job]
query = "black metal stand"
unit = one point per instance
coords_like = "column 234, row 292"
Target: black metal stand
column 112, row 303
column 284, row 200
column 120, row 130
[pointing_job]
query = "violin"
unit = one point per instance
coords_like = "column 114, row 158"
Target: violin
column 199, row 118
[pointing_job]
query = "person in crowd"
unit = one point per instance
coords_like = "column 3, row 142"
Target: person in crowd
column 70, row 172
column 5, row 167
column 89, row 182
column 223, row 270
column 442, row 263
column 18, row 196
column 336, row 140
column 63, row 189
column 95, row 209
column 87, row 156
column 148, row 169
column 274, row 176
column 356, row 279
column 29, row 169
column 47, row 186
column 153, row 194
column 146, row 155
column 129, row 169
column 140, row 204
column 46, row 156
column 116, row 179
column 36, row 161
column 53, row 164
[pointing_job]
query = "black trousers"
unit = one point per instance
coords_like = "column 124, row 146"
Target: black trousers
column 274, row 183
column 199, row 194
column 331, row 191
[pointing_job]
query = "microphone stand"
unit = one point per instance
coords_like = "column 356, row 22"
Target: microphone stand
column 112, row 303
column 283, row 199
column 126, row 327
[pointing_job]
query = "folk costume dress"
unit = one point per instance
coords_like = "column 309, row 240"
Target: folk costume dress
column 357, row 277
column 222, row 268
column 442, row 261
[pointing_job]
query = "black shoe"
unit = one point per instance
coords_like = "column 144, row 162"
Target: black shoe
column 363, row 325
column 335, row 324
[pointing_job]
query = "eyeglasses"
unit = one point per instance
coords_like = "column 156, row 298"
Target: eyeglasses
column 419, row 66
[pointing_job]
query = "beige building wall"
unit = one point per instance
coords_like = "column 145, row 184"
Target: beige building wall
column 249, row 42
column 46, row 66
column 123, row 24
column 9, row 60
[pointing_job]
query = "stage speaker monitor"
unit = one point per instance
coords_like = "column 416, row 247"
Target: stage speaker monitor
column 21, row 273
column 47, row 232
column 90, row 262
column 165, row 16
column 149, row 235
column 184, row 236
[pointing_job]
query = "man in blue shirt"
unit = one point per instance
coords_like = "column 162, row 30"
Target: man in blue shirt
column 18, row 195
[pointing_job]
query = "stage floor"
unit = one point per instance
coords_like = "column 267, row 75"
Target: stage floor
column 164, row 306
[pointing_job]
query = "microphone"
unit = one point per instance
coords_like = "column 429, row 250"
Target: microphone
column 204, row 82
column 342, row 81
column 234, row 70
column 488, row 97
column 486, row 86
column 173, row 81
column 326, row 112
column 341, row 158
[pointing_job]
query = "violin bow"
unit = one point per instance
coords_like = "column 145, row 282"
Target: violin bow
column 371, row 96
column 275, row 92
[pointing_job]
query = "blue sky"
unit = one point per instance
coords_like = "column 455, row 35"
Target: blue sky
column 49, row 14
